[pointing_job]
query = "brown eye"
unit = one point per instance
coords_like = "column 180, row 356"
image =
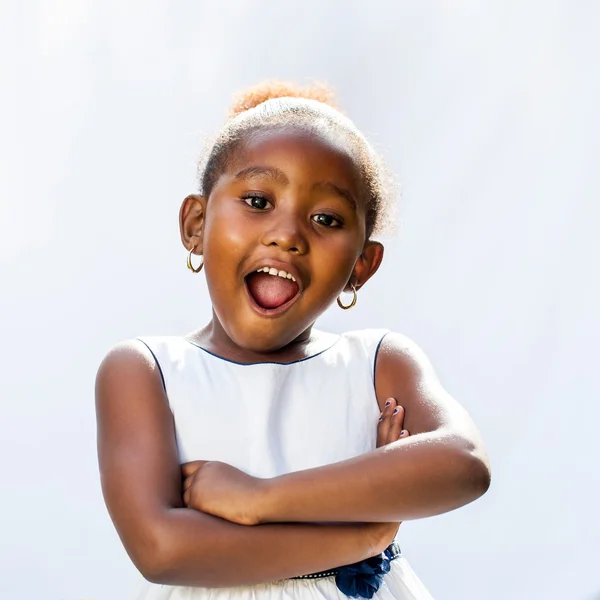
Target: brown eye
column 258, row 202
column 326, row 220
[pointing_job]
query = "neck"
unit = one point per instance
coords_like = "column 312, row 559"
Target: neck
column 214, row 338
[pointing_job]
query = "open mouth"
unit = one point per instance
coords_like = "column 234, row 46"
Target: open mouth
column 272, row 290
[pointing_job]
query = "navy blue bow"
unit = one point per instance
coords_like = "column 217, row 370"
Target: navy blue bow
column 364, row 578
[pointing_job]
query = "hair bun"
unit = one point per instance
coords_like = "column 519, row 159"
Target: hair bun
column 267, row 90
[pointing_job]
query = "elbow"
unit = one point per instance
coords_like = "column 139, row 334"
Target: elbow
column 152, row 571
column 164, row 565
column 480, row 477
column 163, row 560
column 475, row 474
column 153, row 558
column 152, row 563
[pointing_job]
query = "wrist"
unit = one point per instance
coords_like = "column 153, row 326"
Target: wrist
column 265, row 501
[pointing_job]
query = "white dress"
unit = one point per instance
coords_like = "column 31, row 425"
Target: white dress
column 287, row 417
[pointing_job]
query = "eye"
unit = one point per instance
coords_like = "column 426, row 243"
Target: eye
column 327, row 220
column 257, row 202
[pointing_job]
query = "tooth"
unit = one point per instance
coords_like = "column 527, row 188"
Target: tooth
column 282, row 274
column 289, row 276
column 272, row 271
column 265, row 269
column 293, row 279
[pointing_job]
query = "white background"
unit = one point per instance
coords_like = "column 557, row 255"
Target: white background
column 488, row 113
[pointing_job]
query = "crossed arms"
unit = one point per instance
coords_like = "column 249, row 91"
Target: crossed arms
column 233, row 529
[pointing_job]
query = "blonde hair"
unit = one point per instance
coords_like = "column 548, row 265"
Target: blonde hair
column 276, row 104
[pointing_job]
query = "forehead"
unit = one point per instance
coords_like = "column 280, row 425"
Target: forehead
column 301, row 154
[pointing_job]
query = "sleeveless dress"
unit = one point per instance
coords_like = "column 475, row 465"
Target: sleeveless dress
column 269, row 419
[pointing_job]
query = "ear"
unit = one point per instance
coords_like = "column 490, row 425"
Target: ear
column 366, row 266
column 191, row 222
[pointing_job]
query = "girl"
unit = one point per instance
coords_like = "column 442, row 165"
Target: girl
column 258, row 457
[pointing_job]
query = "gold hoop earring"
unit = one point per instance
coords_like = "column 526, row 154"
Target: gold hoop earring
column 190, row 266
column 353, row 299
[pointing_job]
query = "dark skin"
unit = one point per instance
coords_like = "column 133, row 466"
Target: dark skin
column 304, row 222
column 268, row 528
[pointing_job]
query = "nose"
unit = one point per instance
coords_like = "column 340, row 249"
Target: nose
column 286, row 234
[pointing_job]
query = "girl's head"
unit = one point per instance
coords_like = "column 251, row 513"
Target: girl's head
column 292, row 185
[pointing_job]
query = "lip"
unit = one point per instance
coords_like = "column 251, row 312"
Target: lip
column 280, row 266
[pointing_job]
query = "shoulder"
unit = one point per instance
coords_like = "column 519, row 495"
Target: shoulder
column 127, row 354
column 142, row 355
column 400, row 354
column 130, row 362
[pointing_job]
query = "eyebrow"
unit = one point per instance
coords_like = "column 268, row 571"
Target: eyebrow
column 279, row 176
column 327, row 186
column 270, row 172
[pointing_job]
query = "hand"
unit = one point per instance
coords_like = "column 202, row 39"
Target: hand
column 224, row 491
column 221, row 490
column 389, row 429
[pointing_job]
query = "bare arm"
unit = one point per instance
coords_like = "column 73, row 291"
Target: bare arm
column 440, row 467
column 171, row 544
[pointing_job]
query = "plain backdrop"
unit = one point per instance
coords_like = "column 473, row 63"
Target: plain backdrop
column 488, row 114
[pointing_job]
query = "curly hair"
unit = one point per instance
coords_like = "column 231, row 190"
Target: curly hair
column 276, row 105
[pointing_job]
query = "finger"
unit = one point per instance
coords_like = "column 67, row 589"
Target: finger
column 383, row 425
column 188, row 482
column 189, row 468
column 186, row 497
column 396, row 422
column 384, row 420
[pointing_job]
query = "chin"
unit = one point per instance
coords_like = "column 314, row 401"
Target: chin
column 264, row 338
column 262, row 343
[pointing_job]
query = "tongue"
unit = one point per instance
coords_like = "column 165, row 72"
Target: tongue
column 271, row 291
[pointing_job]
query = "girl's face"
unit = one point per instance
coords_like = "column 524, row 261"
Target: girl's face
column 290, row 201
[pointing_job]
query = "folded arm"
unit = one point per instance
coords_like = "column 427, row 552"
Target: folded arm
column 440, row 467
column 175, row 545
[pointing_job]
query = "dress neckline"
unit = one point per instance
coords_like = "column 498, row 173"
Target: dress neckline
column 281, row 364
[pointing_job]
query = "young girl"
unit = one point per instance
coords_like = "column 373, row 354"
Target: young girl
column 258, row 457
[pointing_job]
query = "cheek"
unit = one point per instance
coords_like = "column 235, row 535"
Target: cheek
column 225, row 233
column 334, row 260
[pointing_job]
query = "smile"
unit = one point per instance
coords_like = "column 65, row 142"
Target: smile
column 271, row 289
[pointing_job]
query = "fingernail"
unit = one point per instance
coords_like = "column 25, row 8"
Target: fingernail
column 388, row 402
column 403, row 433
column 395, row 411
column 381, row 417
